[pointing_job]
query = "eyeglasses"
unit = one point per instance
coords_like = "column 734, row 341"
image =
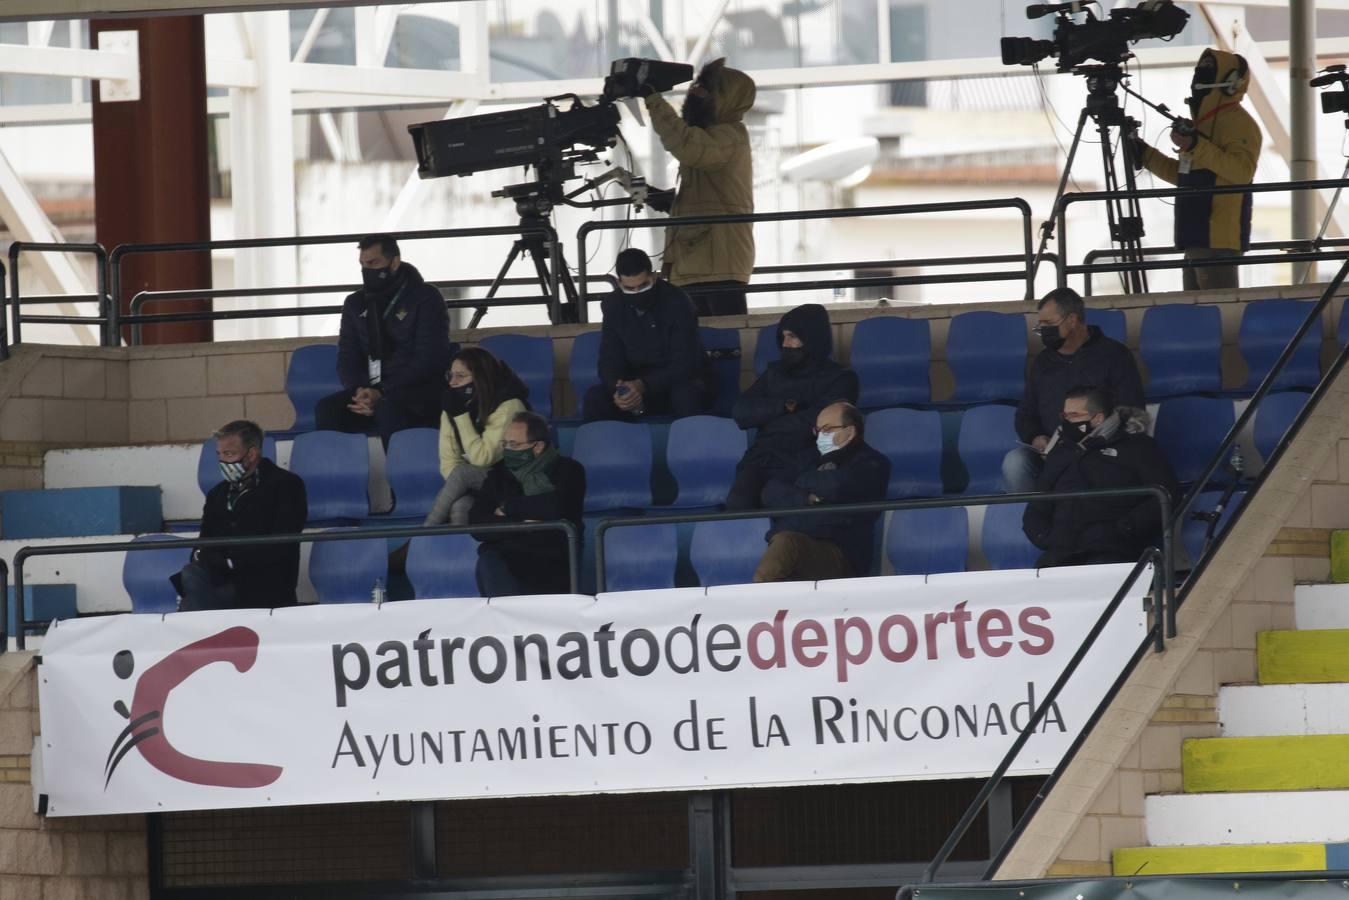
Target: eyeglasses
column 1041, row 326
column 517, row 445
column 828, row 429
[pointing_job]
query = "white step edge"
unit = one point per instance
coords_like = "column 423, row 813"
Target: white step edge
column 1277, row 817
column 1283, row 709
column 1318, row 606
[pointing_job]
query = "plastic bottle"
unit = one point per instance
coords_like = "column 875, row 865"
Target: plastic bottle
column 377, row 591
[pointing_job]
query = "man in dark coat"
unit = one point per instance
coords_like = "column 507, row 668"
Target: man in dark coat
column 815, row 547
column 1098, row 445
column 256, row 498
column 392, row 350
column 651, row 358
column 784, row 403
column 532, row 483
column 1075, row 353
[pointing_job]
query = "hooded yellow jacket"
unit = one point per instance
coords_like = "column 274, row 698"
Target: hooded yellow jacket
column 1225, row 154
column 716, row 178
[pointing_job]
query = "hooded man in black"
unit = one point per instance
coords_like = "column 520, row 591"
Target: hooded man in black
column 392, row 350
column 651, row 358
column 1075, row 353
column 1098, row 445
column 785, row 401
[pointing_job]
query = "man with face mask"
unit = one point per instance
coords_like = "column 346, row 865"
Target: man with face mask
column 716, row 178
column 1074, row 353
column 1098, row 445
column 784, row 403
column 651, row 358
column 847, row 470
column 532, row 483
column 255, row 498
column 1218, row 145
column 392, row 349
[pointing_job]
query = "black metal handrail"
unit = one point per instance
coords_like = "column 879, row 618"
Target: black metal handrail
column 1158, row 493
column 4, row 605
column 1060, row 214
column 1312, row 247
column 17, row 318
column 25, row 553
column 120, row 252
column 858, row 212
column 4, row 313
column 1129, row 883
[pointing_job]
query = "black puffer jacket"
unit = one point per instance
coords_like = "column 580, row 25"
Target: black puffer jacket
column 652, row 336
column 1100, row 362
column 788, row 438
column 1119, row 529
column 414, row 332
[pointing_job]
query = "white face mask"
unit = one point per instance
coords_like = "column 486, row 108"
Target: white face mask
column 824, row 442
column 233, row 472
column 641, row 290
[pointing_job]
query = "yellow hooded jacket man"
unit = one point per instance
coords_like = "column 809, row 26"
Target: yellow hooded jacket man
column 1224, row 152
column 716, row 178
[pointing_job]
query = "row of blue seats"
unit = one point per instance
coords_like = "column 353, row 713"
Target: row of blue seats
column 1180, row 344
column 640, row 557
column 625, row 470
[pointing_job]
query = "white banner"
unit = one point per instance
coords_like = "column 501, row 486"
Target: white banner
column 878, row 679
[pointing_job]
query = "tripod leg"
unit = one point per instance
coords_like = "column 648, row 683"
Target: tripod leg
column 1047, row 227
column 570, row 311
column 1325, row 224
column 516, row 249
column 1122, row 215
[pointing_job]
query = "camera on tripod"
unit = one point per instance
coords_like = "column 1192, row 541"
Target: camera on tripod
column 1104, row 40
column 1333, row 101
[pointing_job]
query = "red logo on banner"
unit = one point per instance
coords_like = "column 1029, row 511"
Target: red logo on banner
column 148, row 732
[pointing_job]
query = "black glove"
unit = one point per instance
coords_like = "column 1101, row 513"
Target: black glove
column 212, row 560
column 456, row 401
column 660, row 201
column 1137, row 149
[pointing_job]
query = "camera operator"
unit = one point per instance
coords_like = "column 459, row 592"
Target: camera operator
column 716, row 178
column 1218, row 146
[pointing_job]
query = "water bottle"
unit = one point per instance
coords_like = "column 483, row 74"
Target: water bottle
column 377, row 592
column 1237, row 462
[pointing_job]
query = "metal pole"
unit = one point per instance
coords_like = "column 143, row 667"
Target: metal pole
column 1302, row 121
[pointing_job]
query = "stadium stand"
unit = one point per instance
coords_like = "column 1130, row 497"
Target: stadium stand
column 1111, row 322
column 723, row 345
column 532, row 359
column 987, row 354
column 766, row 348
column 1194, row 529
column 640, row 557
column 1189, row 429
column 911, row 440
column 145, row 575
column 891, row 355
column 346, row 571
column 1266, row 328
column 443, row 565
column 1004, row 544
column 336, row 471
column 311, row 376
column 986, row 434
column 702, row 453
column 928, row 541
column 412, row 465
column 727, row 552
column 1273, row 418
column 617, row 459
column 1181, row 347
column 584, row 367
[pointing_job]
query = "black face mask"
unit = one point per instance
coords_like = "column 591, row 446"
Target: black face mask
column 1050, row 337
column 700, row 112
column 465, row 392
column 794, row 358
column 377, row 280
column 1075, row 431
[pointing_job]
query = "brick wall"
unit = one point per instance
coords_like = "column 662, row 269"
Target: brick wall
column 88, row 858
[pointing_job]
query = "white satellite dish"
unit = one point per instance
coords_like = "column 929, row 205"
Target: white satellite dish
column 838, row 161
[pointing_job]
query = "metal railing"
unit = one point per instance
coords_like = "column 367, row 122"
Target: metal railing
column 1335, row 881
column 1313, row 247
column 315, row 537
column 17, row 301
column 1024, row 274
column 1060, row 215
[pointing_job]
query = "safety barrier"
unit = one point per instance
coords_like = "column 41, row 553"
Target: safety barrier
column 18, row 301
column 1312, row 247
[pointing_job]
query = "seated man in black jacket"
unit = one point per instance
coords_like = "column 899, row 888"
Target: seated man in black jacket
column 256, row 498
column 651, row 358
column 532, row 483
column 1098, row 445
column 392, row 349
column 815, row 547
column 1075, row 353
column 784, row 403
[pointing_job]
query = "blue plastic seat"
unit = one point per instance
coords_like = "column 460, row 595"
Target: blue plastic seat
column 986, row 434
column 583, row 370
column 412, row 464
column 1189, row 430
column 345, row 571
column 335, row 468
column 727, row 552
column 1273, row 416
column 766, row 349
column 891, row 356
column 911, row 440
column 1181, row 346
column 1004, row 544
column 532, row 359
column 723, row 346
column 928, row 541
column 1111, row 322
column 617, row 459
column 208, row 464
column 640, row 557
column 443, row 565
column 1266, row 328
column 1193, row 531
column 145, row 574
column 987, row 354
column 702, row 453
column 311, row 376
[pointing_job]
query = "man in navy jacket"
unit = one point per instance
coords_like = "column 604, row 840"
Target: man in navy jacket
column 392, row 350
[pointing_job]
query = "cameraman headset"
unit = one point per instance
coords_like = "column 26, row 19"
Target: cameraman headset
column 716, row 178
column 1222, row 152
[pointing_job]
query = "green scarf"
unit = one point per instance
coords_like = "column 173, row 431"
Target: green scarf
column 533, row 475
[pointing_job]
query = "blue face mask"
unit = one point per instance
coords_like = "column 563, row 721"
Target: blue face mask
column 825, row 443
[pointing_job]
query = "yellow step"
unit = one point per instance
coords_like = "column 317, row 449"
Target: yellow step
column 1130, row 861
column 1284, row 763
column 1298, row 657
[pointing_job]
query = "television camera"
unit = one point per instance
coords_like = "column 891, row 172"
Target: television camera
column 1104, row 40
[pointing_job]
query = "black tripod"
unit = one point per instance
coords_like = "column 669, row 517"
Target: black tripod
column 1123, row 213
column 534, row 202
